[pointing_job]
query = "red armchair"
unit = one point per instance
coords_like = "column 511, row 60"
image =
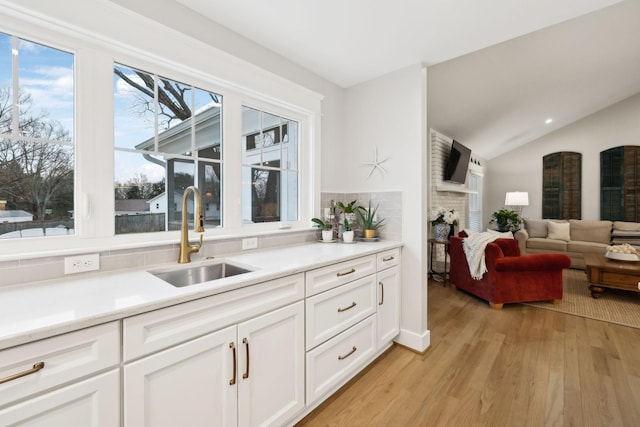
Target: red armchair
column 510, row 276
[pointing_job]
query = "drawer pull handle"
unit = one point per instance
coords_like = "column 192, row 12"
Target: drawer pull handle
column 381, row 293
column 389, row 258
column 353, row 350
column 353, row 304
column 353, row 270
column 36, row 368
column 232, row 346
column 246, row 343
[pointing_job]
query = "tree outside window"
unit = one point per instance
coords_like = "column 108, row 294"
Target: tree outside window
column 168, row 136
column 36, row 139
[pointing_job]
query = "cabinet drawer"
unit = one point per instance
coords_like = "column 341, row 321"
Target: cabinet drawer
column 332, row 363
column 331, row 312
column 328, row 277
column 388, row 259
column 66, row 358
column 160, row 329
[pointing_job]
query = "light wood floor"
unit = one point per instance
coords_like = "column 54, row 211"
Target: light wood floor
column 520, row 366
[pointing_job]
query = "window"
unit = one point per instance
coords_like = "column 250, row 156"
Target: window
column 269, row 167
column 36, row 139
column 168, row 136
column 475, row 202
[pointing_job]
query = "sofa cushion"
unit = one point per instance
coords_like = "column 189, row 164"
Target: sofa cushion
column 591, row 230
column 586, row 247
column 559, row 231
column 547, row 244
column 536, row 227
column 626, row 226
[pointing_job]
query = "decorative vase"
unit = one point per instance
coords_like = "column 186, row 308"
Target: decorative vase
column 368, row 234
column 441, row 232
column 347, row 236
column 327, row 235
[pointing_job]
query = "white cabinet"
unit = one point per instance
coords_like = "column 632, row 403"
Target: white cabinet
column 94, row 402
column 64, row 380
column 271, row 367
column 352, row 314
column 248, row 373
column 388, row 278
column 188, row 384
column 388, row 305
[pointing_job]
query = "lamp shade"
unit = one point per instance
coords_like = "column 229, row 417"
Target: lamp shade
column 517, row 198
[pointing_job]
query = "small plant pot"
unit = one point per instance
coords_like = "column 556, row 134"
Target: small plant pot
column 369, row 234
column 327, row 235
column 347, row 236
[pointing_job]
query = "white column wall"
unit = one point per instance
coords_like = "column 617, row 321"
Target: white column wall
column 389, row 113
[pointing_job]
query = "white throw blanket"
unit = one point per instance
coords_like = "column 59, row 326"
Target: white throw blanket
column 474, row 247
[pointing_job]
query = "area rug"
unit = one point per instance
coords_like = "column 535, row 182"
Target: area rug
column 615, row 306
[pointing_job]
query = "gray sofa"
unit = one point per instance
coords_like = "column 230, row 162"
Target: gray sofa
column 575, row 237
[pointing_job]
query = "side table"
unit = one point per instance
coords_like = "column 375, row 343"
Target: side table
column 444, row 274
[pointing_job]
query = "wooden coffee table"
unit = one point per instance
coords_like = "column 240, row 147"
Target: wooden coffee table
column 603, row 272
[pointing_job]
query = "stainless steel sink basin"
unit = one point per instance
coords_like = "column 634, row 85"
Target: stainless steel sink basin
column 199, row 274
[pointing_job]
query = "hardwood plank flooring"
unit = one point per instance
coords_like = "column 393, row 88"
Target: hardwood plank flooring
column 520, row 366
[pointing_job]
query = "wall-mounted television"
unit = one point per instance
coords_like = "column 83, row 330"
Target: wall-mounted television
column 457, row 164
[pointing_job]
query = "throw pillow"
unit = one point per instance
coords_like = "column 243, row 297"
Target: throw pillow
column 559, row 230
column 502, row 234
column 536, row 227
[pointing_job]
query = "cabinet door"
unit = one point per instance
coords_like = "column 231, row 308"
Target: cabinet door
column 191, row 384
column 388, row 305
column 271, row 367
column 92, row 403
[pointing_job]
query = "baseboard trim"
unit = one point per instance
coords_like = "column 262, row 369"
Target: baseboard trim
column 416, row 342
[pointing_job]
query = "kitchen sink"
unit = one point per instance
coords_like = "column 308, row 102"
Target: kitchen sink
column 200, row 274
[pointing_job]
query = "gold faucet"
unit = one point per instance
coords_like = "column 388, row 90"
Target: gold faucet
column 185, row 248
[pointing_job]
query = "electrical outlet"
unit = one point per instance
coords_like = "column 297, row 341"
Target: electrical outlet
column 249, row 243
column 81, row 263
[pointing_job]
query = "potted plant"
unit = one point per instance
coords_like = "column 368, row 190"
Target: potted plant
column 349, row 210
column 370, row 225
column 506, row 220
column 348, row 233
column 442, row 219
column 326, row 227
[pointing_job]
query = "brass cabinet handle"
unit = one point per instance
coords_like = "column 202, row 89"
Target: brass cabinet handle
column 389, row 258
column 36, row 368
column 353, row 350
column 232, row 346
column 246, row 343
column 353, row 270
column 381, row 293
column 353, row 304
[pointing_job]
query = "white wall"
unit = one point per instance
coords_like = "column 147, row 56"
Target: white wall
column 521, row 169
column 389, row 113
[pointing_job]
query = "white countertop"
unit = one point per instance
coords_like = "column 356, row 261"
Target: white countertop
column 39, row 310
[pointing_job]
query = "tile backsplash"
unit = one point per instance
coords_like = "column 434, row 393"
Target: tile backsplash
column 389, row 207
column 37, row 269
column 17, row 272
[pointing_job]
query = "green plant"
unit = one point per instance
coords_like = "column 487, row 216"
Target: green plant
column 506, row 220
column 347, row 225
column 322, row 225
column 368, row 218
column 349, row 207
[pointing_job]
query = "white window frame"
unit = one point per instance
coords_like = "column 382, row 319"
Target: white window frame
column 237, row 81
column 479, row 177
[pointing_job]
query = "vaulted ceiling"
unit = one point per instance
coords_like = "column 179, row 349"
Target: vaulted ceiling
column 496, row 73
